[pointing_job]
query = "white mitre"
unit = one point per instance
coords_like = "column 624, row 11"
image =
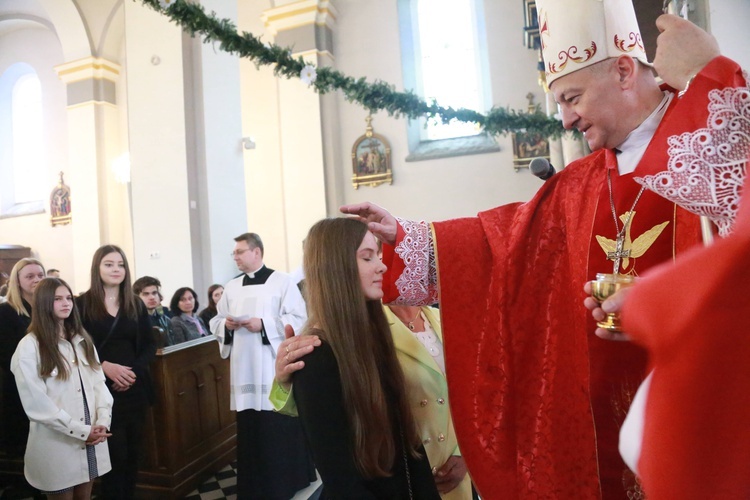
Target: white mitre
column 578, row 33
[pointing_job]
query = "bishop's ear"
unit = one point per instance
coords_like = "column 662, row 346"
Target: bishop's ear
column 625, row 66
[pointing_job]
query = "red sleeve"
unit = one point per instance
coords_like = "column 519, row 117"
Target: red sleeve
column 693, row 318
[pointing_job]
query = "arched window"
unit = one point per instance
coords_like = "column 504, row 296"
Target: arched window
column 27, row 133
column 448, row 66
column 443, row 48
column 22, row 148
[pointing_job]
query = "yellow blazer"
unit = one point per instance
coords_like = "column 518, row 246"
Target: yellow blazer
column 427, row 391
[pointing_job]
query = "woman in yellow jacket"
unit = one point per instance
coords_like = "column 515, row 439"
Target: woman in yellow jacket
column 418, row 339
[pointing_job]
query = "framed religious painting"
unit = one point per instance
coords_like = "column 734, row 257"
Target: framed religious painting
column 59, row 204
column 526, row 147
column 371, row 159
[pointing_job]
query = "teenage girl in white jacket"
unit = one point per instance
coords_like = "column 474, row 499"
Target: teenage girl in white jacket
column 61, row 385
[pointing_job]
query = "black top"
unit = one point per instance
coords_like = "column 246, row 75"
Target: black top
column 207, row 315
column 131, row 343
column 13, row 420
column 320, row 404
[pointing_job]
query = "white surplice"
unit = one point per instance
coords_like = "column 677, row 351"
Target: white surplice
column 277, row 302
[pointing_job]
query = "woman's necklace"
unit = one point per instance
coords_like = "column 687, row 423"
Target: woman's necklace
column 620, row 252
column 410, row 324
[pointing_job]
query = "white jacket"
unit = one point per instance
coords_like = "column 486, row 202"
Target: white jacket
column 56, row 450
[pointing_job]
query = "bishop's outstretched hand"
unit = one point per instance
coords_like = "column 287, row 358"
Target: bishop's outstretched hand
column 380, row 222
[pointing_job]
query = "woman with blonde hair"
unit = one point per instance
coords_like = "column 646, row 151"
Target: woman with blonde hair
column 15, row 317
column 350, row 394
column 61, row 384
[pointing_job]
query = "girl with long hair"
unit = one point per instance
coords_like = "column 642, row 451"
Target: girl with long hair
column 15, row 317
column 118, row 322
column 350, row 394
column 215, row 292
column 61, row 384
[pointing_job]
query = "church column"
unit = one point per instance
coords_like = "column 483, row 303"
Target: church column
column 157, row 148
column 185, row 140
column 308, row 139
column 99, row 203
column 215, row 153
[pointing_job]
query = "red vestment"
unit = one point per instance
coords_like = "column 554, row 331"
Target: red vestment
column 536, row 398
column 693, row 319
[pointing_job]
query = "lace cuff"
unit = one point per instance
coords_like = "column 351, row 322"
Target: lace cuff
column 707, row 167
column 417, row 284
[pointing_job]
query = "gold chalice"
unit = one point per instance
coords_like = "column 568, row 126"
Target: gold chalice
column 603, row 287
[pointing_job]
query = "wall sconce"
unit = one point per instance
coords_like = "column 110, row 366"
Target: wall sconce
column 121, row 168
column 248, row 143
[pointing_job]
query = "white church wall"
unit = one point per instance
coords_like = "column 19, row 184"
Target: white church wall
column 728, row 23
column 284, row 191
column 284, row 197
column 184, row 139
column 157, row 145
column 303, row 168
column 260, row 123
column 213, row 112
column 367, row 44
column 40, row 48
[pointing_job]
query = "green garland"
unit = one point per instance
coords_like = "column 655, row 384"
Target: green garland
column 375, row 96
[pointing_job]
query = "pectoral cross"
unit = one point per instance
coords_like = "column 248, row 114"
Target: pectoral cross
column 619, row 253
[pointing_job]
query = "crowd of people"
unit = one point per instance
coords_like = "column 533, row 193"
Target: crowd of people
column 78, row 371
column 362, row 380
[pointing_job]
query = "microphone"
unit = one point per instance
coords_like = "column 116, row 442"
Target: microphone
column 542, row 168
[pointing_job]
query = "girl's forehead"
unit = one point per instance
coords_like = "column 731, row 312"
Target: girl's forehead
column 112, row 257
column 369, row 242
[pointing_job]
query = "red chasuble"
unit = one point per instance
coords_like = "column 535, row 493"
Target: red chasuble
column 536, row 398
column 693, row 319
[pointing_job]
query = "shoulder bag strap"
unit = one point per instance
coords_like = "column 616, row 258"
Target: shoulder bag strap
column 111, row 329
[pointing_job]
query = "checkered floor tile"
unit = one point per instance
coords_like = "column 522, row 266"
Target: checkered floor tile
column 224, row 485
